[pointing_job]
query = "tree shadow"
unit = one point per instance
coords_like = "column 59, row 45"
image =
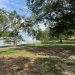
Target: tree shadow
column 12, row 66
column 23, row 66
column 38, row 66
column 58, row 42
column 48, row 50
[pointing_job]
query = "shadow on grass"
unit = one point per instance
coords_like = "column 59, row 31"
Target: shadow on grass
column 50, row 66
column 51, row 50
column 23, row 66
column 58, row 42
column 72, row 47
column 11, row 66
column 39, row 66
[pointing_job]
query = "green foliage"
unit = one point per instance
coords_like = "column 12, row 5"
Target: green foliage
column 4, row 21
column 11, row 24
column 43, row 35
column 58, row 14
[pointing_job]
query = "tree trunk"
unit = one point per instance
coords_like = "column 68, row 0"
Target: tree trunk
column 15, row 41
column 60, row 40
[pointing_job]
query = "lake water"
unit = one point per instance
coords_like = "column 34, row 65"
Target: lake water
column 23, row 42
column 4, row 44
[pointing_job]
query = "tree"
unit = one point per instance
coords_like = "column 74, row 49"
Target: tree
column 58, row 14
column 43, row 35
column 11, row 24
column 15, row 27
column 4, row 21
column 19, row 24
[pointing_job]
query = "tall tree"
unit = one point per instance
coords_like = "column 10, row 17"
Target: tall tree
column 11, row 24
column 15, row 26
column 19, row 24
column 58, row 14
column 43, row 35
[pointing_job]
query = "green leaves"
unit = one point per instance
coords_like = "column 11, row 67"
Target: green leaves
column 43, row 35
column 57, row 14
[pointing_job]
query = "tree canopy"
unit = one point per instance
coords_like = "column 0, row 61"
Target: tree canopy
column 43, row 35
column 59, row 15
column 11, row 24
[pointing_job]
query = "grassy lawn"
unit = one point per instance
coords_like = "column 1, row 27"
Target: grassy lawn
column 66, row 45
column 30, row 48
column 39, row 59
column 12, row 52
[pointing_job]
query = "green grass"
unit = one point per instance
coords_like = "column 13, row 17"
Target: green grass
column 57, row 45
column 48, row 64
column 70, row 63
column 12, row 52
column 67, row 44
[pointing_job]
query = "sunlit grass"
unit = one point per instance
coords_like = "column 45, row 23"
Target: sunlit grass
column 12, row 52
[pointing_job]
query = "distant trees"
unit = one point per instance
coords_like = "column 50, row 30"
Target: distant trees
column 43, row 35
column 59, row 15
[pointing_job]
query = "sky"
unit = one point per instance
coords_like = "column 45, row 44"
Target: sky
column 18, row 5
